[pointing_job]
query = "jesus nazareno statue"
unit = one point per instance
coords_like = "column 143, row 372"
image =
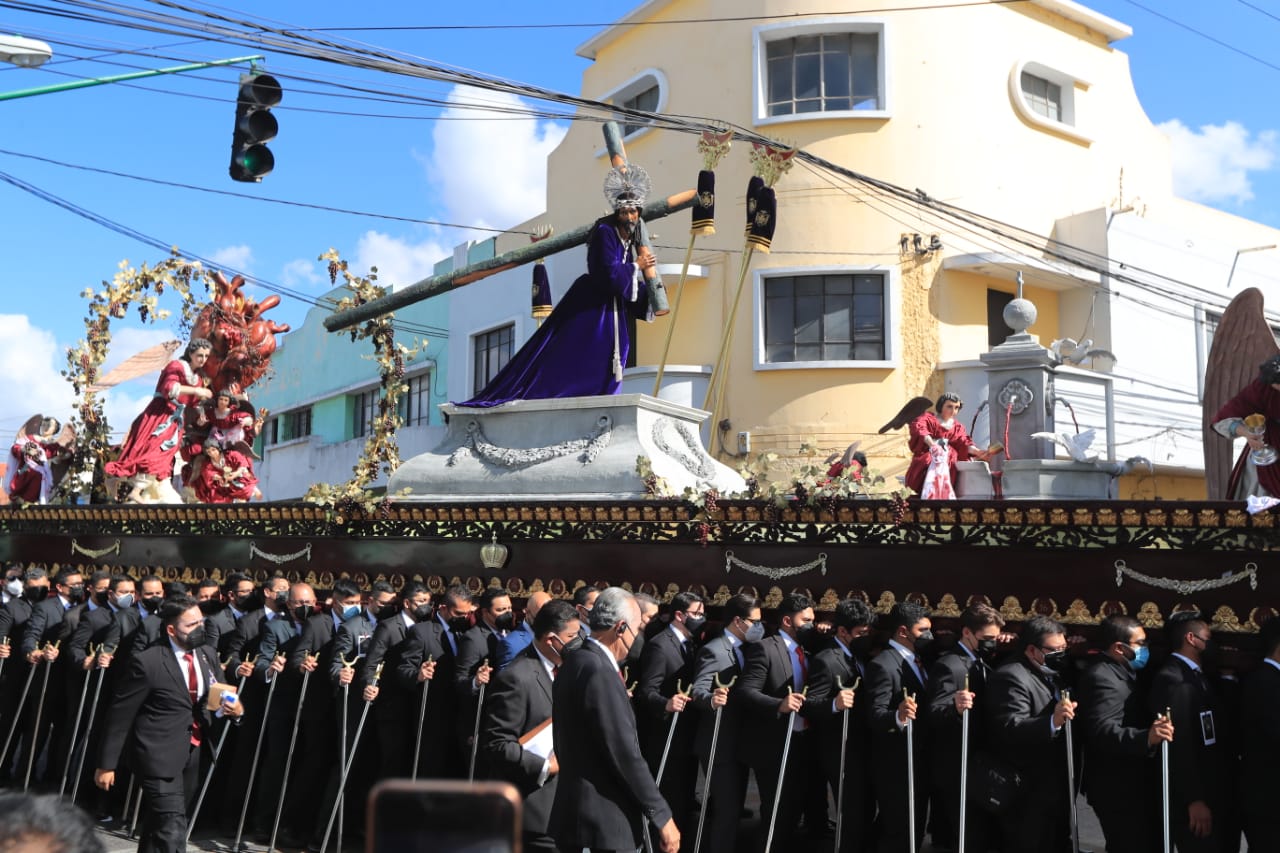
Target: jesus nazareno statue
column 580, row 350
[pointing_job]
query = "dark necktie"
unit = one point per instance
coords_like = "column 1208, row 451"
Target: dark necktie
column 193, row 690
column 804, row 665
column 924, row 679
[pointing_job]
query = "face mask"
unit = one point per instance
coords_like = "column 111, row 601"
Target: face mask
column 282, row 597
column 75, row 594
column 152, row 604
column 1209, row 656
column 987, row 648
column 460, row 624
column 804, row 632
column 14, row 587
column 1140, row 656
column 349, row 611
column 124, row 602
column 194, row 639
column 421, row 614
column 210, row 607
column 247, row 602
column 303, row 612
column 861, row 646
column 755, row 633
column 694, row 624
column 100, row 598
column 35, row 594
column 505, row 621
column 1055, row 662
column 570, row 647
column 923, row 641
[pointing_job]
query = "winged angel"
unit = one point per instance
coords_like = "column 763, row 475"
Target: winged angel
column 1242, row 399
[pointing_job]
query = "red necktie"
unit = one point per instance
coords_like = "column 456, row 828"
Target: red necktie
column 193, row 690
column 804, row 665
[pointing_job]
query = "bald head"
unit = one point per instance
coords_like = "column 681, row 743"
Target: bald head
column 534, row 604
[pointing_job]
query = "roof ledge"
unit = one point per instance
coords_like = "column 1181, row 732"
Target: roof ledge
column 1110, row 28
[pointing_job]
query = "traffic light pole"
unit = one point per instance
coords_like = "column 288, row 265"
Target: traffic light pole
column 136, row 75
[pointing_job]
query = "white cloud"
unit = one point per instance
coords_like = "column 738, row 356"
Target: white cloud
column 1212, row 164
column 399, row 262
column 301, row 271
column 491, row 170
column 235, row 257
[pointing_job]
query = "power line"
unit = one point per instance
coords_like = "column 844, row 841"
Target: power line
column 1246, row 54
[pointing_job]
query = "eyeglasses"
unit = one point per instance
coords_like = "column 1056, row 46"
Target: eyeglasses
column 1052, row 651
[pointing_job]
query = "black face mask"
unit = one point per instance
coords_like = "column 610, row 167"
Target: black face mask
column 35, row 594
column 505, row 621
column 75, row 594
column 694, row 624
column 987, row 647
column 282, row 599
column 1056, row 661
column 460, row 624
column 570, row 647
column 250, row 601
column 101, row 599
column 861, row 646
column 421, row 614
column 924, row 640
column 804, row 632
column 303, row 612
column 210, row 607
column 194, row 639
column 152, row 604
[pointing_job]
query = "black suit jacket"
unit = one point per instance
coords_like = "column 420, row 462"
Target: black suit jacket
column 218, row 629
column 1114, row 721
column 1197, row 771
column 153, row 703
column 387, row 648
column 519, row 700
column 665, row 664
column 351, row 640
column 605, row 788
column 97, row 627
column 1260, row 736
column 767, row 679
column 828, row 669
column 887, row 674
column 48, row 624
column 149, row 633
column 13, row 621
column 424, row 641
column 947, row 677
column 1019, row 721
column 243, row 643
column 317, row 639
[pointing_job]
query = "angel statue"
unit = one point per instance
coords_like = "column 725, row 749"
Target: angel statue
column 1242, row 400
column 39, row 458
column 937, row 441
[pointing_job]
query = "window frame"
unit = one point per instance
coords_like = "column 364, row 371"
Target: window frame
column 293, row 418
column 424, row 377
column 1068, row 84
column 364, row 403
column 646, row 79
column 834, row 25
column 891, row 277
column 471, row 350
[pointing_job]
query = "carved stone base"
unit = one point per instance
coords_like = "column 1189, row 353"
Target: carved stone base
column 1054, row 479
column 572, row 448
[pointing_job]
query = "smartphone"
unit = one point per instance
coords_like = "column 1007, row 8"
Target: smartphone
column 443, row 816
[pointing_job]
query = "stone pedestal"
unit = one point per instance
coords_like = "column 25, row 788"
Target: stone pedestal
column 1054, row 479
column 975, row 481
column 1020, row 372
column 573, row 448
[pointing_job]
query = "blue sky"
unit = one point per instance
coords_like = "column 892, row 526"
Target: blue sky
column 422, row 164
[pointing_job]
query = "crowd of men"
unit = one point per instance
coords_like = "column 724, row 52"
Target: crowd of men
column 110, row 696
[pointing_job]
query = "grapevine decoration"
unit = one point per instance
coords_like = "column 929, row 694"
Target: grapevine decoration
column 381, row 453
column 139, row 288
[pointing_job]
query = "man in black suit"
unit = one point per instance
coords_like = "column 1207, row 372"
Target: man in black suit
column 14, row 616
column 478, row 650
column 957, row 683
column 278, row 641
column 722, row 661
column 1199, row 780
column 152, row 593
column 897, row 669
column 835, row 682
column 605, row 795
column 395, row 711
column 431, row 654
column 112, row 661
column 47, row 631
column 1260, row 740
column 160, row 707
column 91, row 646
column 1024, row 717
column 773, row 685
column 519, row 703
column 1122, row 780
column 665, row 666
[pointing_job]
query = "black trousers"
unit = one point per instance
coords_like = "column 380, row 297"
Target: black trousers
column 798, row 773
column 724, row 811
column 166, row 802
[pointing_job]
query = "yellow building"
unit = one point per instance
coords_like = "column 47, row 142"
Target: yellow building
column 1024, row 114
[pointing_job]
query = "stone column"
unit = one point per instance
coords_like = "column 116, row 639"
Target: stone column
column 1020, row 372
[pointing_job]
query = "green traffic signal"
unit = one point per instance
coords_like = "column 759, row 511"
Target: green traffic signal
column 254, row 127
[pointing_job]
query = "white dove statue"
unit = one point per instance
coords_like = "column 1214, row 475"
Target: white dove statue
column 1077, row 446
column 1078, row 352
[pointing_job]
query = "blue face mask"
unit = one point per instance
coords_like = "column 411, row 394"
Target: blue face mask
column 1140, row 657
column 349, row 611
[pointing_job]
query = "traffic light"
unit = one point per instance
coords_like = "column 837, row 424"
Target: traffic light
column 255, row 126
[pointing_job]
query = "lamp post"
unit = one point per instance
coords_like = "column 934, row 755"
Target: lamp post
column 24, row 52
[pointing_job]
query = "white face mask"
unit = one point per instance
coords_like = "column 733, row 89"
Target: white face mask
column 14, row 587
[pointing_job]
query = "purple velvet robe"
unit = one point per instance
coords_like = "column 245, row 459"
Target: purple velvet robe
column 571, row 355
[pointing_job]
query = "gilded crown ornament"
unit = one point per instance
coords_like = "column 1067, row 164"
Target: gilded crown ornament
column 494, row 554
